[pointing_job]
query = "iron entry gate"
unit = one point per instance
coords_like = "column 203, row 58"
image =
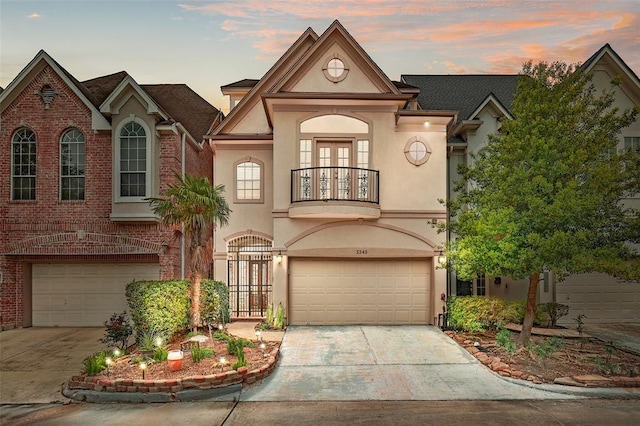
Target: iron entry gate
column 249, row 264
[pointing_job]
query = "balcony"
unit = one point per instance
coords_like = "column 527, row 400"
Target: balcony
column 332, row 192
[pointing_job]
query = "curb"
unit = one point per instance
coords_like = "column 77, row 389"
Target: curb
column 223, row 393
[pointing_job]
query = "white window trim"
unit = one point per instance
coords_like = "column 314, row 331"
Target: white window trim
column 116, row 166
column 235, row 181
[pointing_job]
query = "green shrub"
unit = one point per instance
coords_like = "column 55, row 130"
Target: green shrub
column 159, row 305
column 95, row 363
column 553, row 311
column 164, row 305
column 269, row 315
column 504, row 339
column 214, row 302
column 117, row 331
column 148, row 339
column 237, row 344
column 479, row 313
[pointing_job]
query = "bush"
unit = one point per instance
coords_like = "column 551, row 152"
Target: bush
column 554, row 311
column 164, row 306
column 160, row 354
column 479, row 313
column 117, row 331
column 214, row 302
column 159, row 305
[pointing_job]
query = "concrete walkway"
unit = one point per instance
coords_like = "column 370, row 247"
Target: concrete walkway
column 35, row 362
column 353, row 363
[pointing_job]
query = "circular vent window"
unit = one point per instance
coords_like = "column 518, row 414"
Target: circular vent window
column 417, row 151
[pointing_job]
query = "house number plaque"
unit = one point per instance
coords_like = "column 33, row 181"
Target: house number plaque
column 361, row 252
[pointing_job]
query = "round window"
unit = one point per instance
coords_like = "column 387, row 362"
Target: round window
column 417, row 151
column 335, row 69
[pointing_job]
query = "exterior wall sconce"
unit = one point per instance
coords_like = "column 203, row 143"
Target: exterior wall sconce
column 442, row 259
column 279, row 257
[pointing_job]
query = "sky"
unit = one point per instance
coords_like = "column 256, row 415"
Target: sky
column 207, row 44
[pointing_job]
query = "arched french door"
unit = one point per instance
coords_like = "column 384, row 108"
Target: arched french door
column 250, row 279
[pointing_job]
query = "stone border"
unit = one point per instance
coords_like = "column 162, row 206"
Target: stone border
column 73, row 387
column 503, row 369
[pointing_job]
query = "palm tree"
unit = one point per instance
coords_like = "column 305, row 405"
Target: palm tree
column 197, row 205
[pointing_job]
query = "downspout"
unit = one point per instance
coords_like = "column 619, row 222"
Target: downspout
column 182, row 239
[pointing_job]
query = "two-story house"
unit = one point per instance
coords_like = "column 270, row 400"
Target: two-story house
column 335, row 175
column 78, row 160
column 482, row 101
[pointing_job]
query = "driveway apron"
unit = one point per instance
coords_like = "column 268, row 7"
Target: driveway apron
column 35, row 362
column 351, row 363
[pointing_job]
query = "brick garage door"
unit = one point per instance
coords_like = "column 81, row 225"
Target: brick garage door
column 83, row 295
column 359, row 291
column 600, row 297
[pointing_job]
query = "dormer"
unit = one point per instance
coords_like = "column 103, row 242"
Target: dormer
column 238, row 90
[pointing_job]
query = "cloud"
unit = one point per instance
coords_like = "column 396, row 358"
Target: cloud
column 491, row 35
column 34, row 16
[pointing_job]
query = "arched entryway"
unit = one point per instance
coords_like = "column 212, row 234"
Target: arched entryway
column 249, row 269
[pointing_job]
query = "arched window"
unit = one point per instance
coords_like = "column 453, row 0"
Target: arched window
column 133, row 160
column 249, row 176
column 23, row 165
column 72, row 162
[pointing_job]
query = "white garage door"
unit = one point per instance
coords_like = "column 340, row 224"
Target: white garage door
column 73, row 295
column 600, row 297
column 359, row 291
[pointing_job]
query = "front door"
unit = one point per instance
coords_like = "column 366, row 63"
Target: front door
column 334, row 178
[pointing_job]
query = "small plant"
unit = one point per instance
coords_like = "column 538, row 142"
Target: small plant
column 198, row 353
column 580, row 323
column 545, row 348
column 118, row 330
column 95, row 363
column 148, row 339
column 237, row 344
column 504, row 339
column 278, row 321
column 554, row 311
column 160, row 354
column 269, row 315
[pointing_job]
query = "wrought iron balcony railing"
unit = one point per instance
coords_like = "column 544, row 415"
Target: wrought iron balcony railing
column 335, row 184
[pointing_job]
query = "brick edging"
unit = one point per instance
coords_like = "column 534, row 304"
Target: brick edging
column 232, row 377
column 503, row 369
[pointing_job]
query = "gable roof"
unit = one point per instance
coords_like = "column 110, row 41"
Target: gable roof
column 245, row 83
column 184, row 105
column 463, row 93
column 101, row 87
column 337, row 32
column 173, row 102
column 99, row 122
column 609, row 57
column 253, row 97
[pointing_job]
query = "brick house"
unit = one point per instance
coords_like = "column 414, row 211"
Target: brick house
column 80, row 157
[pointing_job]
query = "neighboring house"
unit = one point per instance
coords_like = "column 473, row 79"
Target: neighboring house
column 484, row 100
column 333, row 175
column 78, row 160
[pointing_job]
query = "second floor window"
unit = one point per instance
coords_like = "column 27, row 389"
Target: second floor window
column 23, row 165
column 632, row 143
column 248, row 181
column 133, row 161
column 72, row 165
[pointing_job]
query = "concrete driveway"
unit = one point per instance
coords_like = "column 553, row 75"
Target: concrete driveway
column 351, row 363
column 35, row 362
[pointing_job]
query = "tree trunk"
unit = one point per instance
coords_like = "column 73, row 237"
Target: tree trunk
column 530, row 311
column 195, row 299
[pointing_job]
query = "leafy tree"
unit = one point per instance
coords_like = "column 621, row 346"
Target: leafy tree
column 548, row 190
column 197, row 205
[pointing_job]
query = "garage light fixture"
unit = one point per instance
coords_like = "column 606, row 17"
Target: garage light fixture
column 279, row 257
column 442, row 259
